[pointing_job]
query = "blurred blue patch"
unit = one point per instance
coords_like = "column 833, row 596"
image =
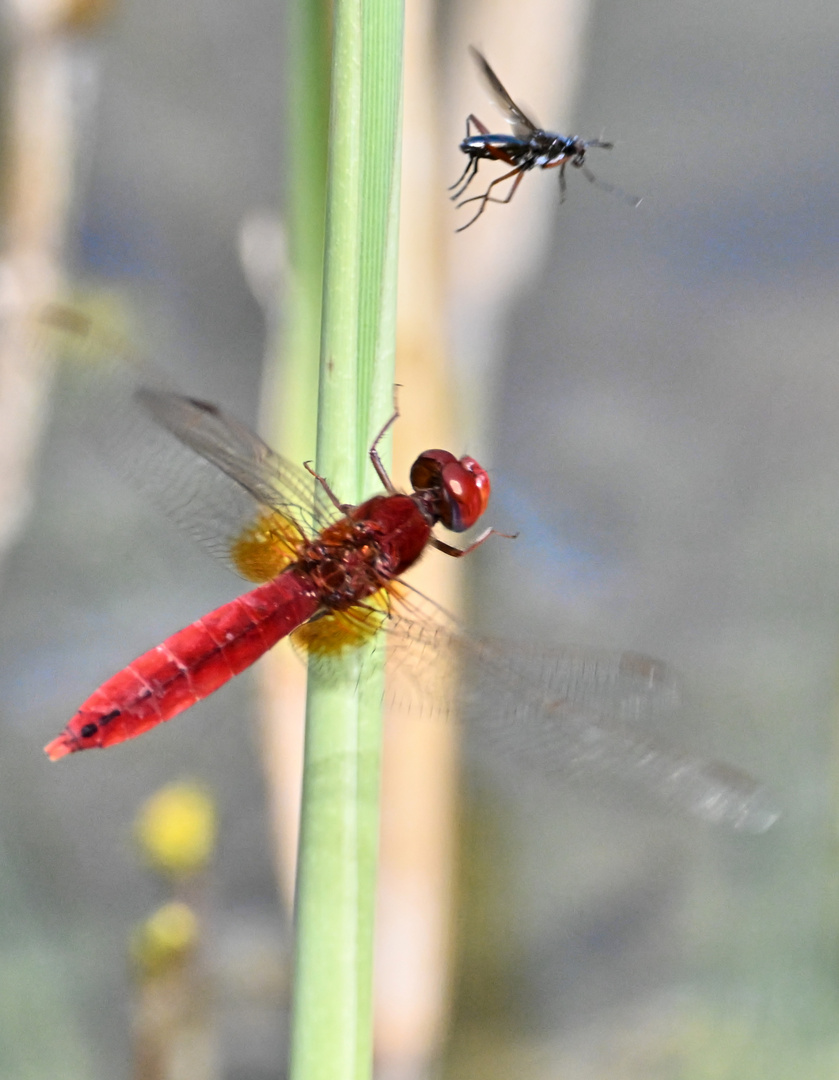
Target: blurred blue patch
column 569, row 565
column 119, row 240
column 788, row 227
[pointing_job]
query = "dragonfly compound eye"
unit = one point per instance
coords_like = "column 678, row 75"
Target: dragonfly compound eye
column 460, row 489
column 467, row 489
column 427, row 470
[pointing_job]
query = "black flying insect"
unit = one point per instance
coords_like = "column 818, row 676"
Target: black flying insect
column 528, row 147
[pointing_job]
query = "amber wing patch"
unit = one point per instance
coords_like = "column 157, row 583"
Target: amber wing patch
column 338, row 631
column 266, row 547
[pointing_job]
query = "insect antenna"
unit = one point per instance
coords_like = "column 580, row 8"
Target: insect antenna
column 630, row 200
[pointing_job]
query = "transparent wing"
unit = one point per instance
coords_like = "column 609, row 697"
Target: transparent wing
column 210, row 474
column 566, row 713
column 523, row 126
column 240, row 454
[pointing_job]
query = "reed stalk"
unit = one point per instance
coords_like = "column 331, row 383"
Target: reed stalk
column 334, row 908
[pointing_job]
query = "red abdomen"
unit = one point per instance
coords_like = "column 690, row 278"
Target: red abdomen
column 190, row 664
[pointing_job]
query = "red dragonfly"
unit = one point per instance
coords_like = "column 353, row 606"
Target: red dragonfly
column 329, row 576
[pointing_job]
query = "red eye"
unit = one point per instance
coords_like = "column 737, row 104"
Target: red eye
column 461, row 487
column 427, row 470
column 467, row 488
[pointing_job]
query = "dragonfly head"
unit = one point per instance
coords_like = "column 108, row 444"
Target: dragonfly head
column 451, row 491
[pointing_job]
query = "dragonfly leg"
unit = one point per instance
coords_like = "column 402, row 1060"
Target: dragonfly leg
column 324, row 483
column 375, row 459
column 457, row 553
column 387, row 610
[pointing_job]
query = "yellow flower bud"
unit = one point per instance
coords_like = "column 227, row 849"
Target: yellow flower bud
column 165, row 939
column 176, row 829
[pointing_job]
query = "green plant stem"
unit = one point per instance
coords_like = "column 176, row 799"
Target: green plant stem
column 381, row 154
column 381, row 144
column 334, row 910
column 293, row 382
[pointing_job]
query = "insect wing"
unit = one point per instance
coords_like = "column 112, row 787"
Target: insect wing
column 211, row 475
column 523, row 126
column 569, row 713
column 562, row 741
column 241, row 455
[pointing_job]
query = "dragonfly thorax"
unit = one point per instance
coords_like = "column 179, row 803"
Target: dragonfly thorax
column 346, row 564
column 376, row 542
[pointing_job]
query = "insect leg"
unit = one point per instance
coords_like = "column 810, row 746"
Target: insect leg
column 457, row 553
column 518, row 172
column 510, row 193
column 375, row 459
column 472, row 119
column 324, row 483
column 472, row 165
column 560, row 164
column 473, row 158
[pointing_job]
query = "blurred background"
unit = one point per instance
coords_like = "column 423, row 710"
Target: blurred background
column 654, row 392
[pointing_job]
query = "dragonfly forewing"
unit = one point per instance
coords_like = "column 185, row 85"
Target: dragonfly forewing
column 209, row 474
